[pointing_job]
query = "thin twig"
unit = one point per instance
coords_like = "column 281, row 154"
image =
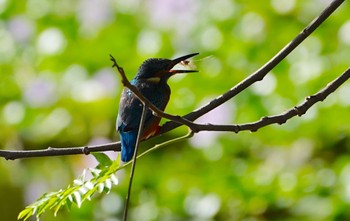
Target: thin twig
column 167, row 143
column 139, row 135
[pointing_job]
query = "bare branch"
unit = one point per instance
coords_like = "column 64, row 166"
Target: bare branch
column 282, row 118
column 262, row 72
column 50, row 151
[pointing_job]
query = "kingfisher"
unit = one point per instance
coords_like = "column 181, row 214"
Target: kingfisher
column 151, row 80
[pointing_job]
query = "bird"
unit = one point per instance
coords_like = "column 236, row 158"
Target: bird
column 151, row 81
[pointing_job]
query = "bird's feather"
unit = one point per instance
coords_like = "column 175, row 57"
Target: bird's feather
column 128, row 142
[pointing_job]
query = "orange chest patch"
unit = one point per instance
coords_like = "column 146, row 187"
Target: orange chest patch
column 151, row 129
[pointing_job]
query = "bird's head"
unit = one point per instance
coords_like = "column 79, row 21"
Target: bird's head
column 155, row 69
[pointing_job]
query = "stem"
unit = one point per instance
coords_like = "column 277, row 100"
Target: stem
column 168, row 142
column 143, row 117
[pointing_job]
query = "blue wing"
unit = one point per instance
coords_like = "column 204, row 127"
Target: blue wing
column 130, row 111
column 128, row 141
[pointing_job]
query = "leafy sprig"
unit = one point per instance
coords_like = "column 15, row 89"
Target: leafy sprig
column 103, row 179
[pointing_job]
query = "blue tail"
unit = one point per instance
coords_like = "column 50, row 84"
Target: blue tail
column 128, row 141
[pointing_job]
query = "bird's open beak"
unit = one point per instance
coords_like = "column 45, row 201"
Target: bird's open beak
column 180, row 59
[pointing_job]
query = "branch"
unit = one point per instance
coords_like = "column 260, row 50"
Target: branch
column 261, row 73
column 50, row 151
column 282, row 118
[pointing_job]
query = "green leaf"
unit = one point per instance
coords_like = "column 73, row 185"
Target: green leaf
column 26, row 213
column 68, row 204
column 103, row 159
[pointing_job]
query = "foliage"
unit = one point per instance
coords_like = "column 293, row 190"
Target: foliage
column 103, row 178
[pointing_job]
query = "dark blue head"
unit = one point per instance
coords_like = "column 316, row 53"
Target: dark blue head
column 161, row 67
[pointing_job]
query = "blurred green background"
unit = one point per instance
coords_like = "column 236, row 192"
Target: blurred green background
column 57, row 88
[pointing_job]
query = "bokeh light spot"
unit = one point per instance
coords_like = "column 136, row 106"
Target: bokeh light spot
column 343, row 33
column 326, row 177
column 345, row 181
column 107, row 78
column 213, row 153
column 7, row 49
column 252, row 26
column 37, row 8
column 202, row 206
column 93, row 15
column 343, row 94
column 178, row 16
column 220, row 115
column 313, row 206
column 305, row 70
column 212, row 66
column 127, row 6
column 3, row 5
column 111, row 203
column 265, row 86
column 211, row 38
column 287, row 181
column 87, row 91
column 21, row 28
column 51, row 41
column 283, row 6
column 40, row 92
column 52, row 124
column 149, row 42
column 13, row 112
column 221, row 9
column 184, row 98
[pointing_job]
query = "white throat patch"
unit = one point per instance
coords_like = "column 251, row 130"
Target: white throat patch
column 153, row 79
